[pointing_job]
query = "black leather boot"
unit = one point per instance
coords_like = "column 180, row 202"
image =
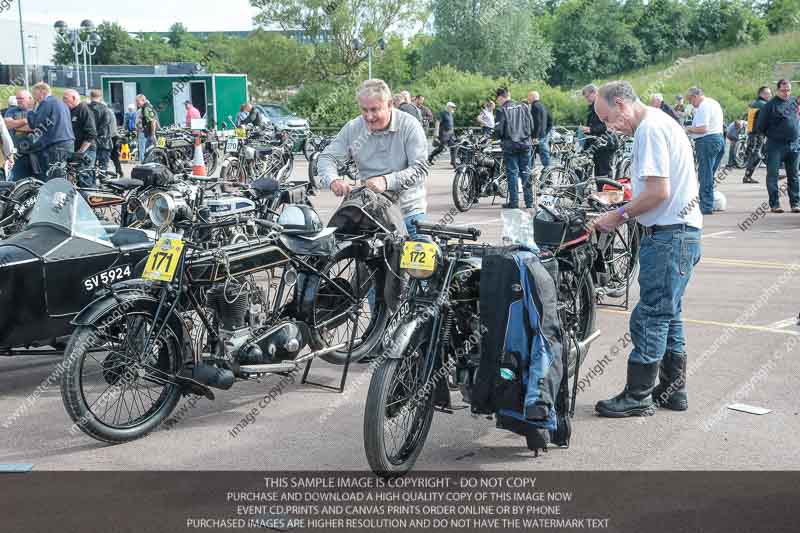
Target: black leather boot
column 636, row 399
column 671, row 389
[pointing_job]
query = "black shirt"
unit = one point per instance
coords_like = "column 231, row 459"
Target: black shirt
column 542, row 121
column 669, row 111
column 778, row 120
column 83, row 125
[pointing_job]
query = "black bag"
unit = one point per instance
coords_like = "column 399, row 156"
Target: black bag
column 522, row 375
column 152, row 174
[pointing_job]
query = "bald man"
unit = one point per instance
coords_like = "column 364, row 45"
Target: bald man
column 85, row 129
column 542, row 124
column 17, row 124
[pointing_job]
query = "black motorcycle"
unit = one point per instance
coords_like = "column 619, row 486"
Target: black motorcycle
column 480, row 173
column 201, row 318
column 174, row 149
column 258, row 154
column 435, row 334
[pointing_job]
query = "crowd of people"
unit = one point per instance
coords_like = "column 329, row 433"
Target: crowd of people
column 39, row 129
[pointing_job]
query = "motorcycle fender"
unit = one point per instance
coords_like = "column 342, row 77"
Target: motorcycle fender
column 126, row 297
column 395, row 346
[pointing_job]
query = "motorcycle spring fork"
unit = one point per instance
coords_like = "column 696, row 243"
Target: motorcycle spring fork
column 447, row 326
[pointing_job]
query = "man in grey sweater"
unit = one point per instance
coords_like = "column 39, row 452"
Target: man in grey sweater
column 389, row 149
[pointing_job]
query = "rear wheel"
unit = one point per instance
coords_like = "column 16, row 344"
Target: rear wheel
column 332, row 312
column 398, row 414
column 232, row 170
column 621, row 259
column 557, row 177
column 577, row 307
column 464, row 188
column 111, row 389
column 210, row 158
column 740, row 154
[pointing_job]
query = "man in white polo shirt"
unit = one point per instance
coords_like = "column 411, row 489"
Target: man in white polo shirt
column 709, row 143
column 665, row 203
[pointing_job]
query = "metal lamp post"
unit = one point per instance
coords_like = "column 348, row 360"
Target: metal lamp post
column 360, row 45
column 86, row 47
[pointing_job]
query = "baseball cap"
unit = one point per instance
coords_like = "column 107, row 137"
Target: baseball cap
column 450, row 104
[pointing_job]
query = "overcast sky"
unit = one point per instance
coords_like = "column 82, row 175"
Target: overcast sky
column 138, row 15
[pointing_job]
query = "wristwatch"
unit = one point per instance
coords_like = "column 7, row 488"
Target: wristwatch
column 621, row 212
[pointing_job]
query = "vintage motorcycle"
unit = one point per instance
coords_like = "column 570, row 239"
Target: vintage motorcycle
column 258, row 154
column 480, row 173
column 56, row 266
column 435, row 333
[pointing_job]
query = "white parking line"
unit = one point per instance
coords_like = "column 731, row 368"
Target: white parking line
column 780, row 324
column 717, row 234
column 478, row 223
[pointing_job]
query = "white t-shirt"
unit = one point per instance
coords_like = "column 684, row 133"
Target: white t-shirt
column 661, row 148
column 708, row 114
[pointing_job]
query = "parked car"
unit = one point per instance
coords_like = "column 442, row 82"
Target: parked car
column 283, row 119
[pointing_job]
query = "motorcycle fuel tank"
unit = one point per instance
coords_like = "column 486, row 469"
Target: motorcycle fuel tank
column 229, row 205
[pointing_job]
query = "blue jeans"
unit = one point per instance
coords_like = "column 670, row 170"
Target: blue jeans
column 710, row 150
column 518, row 165
column 779, row 152
column 543, row 149
column 22, row 168
column 666, row 261
column 144, row 143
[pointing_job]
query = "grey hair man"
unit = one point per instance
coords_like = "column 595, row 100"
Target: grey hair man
column 542, row 125
column 389, row 149
column 85, row 129
column 106, row 123
column 657, row 101
column 709, row 143
column 664, row 202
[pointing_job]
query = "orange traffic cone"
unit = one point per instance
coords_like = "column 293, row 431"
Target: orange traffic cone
column 198, row 163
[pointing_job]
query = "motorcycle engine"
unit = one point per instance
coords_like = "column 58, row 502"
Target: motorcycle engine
column 231, row 304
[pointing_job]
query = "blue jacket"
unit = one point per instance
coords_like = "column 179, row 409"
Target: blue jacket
column 51, row 122
column 130, row 120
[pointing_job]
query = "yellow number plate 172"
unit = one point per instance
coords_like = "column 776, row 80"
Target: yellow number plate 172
column 163, row 260
column 419, row 256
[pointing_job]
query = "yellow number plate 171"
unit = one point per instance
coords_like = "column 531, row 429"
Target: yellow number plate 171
column 419, row 256
column 163, row 260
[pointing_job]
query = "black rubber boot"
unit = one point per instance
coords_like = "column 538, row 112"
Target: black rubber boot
column 636, row 399
column 671, row 389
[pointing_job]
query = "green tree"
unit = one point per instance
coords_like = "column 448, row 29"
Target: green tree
column 592, row 40
column 177, row 34
column 272, row 61
column 339, row 23
column 662, row 27
column 500, row 38
column 782, row 15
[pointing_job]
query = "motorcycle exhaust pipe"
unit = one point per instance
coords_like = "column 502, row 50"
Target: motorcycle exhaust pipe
column 209, row 376
column 580, row 351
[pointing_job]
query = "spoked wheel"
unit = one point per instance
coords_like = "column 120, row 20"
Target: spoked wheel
column 621, row 259
column 398, row 413
column 111, row 389
column 233, row 170
column 210, row 159
column 333, row 308
column 557, row 177
column 576, row 307
column 464, row 188
column 309, row 148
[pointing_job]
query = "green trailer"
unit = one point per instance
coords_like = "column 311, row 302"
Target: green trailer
column 217, row 96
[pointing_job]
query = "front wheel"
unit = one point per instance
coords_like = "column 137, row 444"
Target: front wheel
column 398, row 412
column 740, row 154
column 111, row 389
column 464, row 189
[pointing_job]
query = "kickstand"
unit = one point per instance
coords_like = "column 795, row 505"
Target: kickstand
column 340, row 388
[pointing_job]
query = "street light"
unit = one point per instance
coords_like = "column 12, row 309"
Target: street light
column 86, row 46
column 358, row 44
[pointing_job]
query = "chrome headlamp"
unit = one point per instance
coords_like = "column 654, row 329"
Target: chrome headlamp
column 165, row 209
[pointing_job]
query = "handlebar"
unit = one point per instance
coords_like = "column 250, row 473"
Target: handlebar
column 453, row 232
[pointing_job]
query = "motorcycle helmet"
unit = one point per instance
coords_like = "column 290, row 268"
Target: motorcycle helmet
column 720, row 202
column 300, row 220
